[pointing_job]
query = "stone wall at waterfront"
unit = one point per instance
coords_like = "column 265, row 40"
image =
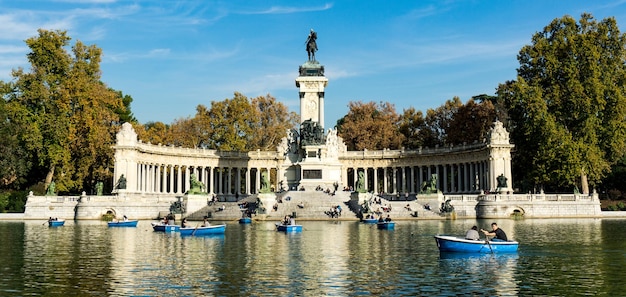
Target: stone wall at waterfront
column 145, row 206
column 538, row 205
column 84, row 207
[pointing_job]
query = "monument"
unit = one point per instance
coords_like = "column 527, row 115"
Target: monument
column 311, row 155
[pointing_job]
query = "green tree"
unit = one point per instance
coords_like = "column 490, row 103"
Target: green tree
column 66, row 115
column 438, row 121
column 370, row 126
column 568, row 104
column 413, row 128
column 226, row 125
column 14, row 162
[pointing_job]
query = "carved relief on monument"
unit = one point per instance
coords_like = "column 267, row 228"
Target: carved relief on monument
column 498, row 134
column 126, row 135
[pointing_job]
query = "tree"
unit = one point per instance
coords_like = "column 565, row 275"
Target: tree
column 153, row 132
column 438, row 121
column 413, row 128
column 370, row 126
column 226, row 126
column 14, row 162
column 471, row 122
column 568, row 104
column 66, row 115
column 271, row 121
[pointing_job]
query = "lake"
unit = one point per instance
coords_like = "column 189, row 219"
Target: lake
column 557, row 257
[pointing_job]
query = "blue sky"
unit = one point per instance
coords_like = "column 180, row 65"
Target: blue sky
column 171, row 56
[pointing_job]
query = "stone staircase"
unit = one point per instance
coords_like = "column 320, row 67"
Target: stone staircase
column 316, row 205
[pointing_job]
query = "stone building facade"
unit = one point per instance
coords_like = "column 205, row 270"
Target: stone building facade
column 311, row 157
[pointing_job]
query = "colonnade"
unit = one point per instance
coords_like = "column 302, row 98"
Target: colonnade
column 469, row 177
column 176, row 179
column 150, row 168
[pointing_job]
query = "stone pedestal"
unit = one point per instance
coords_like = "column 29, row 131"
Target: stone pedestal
column 434, row 200
column 194, row 203
column 267, row 201
column 360, row 198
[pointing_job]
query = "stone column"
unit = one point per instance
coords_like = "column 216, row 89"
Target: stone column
column 375, row 180
column 257, row 180
column 247, row 181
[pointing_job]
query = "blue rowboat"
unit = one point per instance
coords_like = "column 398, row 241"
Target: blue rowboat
column 447, row 243
column 200, row 231
column 386, row 225
column 56, row 223
column 132, row 223
column 160, row 227
column 288, row 228
column 370, row 221
column 245, row 220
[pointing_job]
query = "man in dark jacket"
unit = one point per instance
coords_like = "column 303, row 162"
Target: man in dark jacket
column 496, row 232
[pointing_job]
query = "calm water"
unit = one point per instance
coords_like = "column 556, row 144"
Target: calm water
column 563, row 257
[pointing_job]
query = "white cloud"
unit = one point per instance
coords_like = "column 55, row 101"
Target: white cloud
column 287, row 9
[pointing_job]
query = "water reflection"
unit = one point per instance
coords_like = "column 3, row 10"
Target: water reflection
column 556, row 257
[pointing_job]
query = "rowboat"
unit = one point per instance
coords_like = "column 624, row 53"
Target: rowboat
column 132, row 223
column 447, row 243
column 200, row 231
column 160, row 227
column 386, row 225
column 245, row 220
column 288, row 228
column 56, row 223
column 370, row 221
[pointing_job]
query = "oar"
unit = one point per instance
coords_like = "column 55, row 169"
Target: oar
column 489, row 244
column 194, row 230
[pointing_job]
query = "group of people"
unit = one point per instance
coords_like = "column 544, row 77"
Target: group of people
column 334, row 212
column 288, row 220
column 327, row 191
column 496, row 232
column 387, row 219
column 168, row 220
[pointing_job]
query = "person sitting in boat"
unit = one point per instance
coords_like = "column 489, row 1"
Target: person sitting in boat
column 206, row 223
column 125, row 218
column 496, row 232
column 380, row 219
column 292, row 220
column 388, row 219
column 285, row 220
column 472, row 234
column 184, row 224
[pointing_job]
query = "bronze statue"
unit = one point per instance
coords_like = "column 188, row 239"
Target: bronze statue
column 196, row 186
column 311, row 45
column 121, row 183
column 265, row 183
column 502, row 181
column 99, row 187
column 360, row 183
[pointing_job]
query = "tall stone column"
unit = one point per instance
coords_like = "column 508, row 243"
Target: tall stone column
column 312, row 83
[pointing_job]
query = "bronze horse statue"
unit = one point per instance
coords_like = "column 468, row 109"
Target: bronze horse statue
column 311, row 45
